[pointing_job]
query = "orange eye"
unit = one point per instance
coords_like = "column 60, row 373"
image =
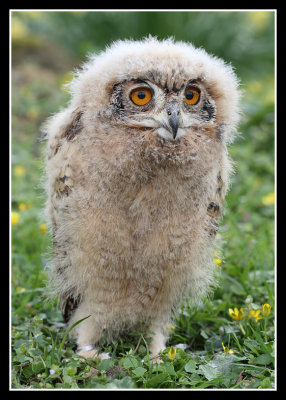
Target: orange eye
column 141, row 96
column 192, row 95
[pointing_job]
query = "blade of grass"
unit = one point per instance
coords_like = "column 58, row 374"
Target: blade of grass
column 68, row 331
column 148, row 354
column 261, row 342
column 237, row 342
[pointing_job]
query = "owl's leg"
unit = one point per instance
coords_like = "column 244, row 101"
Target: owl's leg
column 87, row 334
column 158, row 342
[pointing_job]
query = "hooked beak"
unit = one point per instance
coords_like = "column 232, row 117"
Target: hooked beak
column 173, row 111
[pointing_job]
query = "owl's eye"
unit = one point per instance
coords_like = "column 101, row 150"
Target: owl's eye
column 141, row 96
column 192, row 95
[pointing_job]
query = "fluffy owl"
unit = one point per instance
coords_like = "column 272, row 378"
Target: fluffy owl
column 137, row 169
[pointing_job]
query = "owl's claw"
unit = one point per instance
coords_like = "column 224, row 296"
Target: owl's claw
column 155, row 359
column 91, row 352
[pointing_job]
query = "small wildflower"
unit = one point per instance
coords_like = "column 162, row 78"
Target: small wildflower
column 172, row 327
column 266, row 308
column 23, row 206
column 259, row 19
column 172, row 353
column 14, row 217
column 43, row 229
column 217, row 261
column 19, row 170
column 255, row 314
column 236, row 314
column 217, row 258
column 269, row 199
column 226, row 350
column 52, row 371
column 20, row 289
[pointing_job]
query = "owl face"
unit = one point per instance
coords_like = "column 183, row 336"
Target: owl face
column 170, row 110
column 170, row 89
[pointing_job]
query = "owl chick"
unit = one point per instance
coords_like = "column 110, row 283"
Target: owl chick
column 137, row 170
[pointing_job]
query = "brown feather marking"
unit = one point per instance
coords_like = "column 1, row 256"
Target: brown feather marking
column 63, row 184
column 74, row 127
column 214, row 207
column 68, row 132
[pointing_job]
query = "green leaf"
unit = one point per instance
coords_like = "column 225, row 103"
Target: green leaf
column 212, row 382
column 209, row 372
column 190, row 366
column 68, row 380
column 28, row 371
column 263, row 359
column 71, row 371
column 125, row 382
column 139, row 371
column 22, row 358
column 130, row 362
column 265, row 384
column 156, row 380
column 105, row 364
column 37, row 367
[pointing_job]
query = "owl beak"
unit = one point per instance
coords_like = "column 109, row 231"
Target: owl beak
column 173, row 111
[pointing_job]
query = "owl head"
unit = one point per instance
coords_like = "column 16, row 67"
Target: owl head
column 169, row 88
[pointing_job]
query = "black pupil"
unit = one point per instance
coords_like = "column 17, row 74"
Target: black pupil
column 189, row 95
column 141, row 95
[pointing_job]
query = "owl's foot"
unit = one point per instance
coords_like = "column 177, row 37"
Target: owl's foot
column 92, row 352
column 155, row 359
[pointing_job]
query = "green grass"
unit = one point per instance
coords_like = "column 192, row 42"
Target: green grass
column 41, row 356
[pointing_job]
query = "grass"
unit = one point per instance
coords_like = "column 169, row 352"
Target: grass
column 43, row 357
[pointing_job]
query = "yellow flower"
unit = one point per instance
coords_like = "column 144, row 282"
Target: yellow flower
column 255, row 314
column 43, row 229
column 217, row 261
column 20, row 289
column 172, row 353
column 259, row 19
column 14, row 218
column 217, row 258
column 226, row 350
column 172, row 327
column 269, row 199
column 236, row 314
column 266, row 308
column 23, row 206
column 19, row 30
column 19, row 170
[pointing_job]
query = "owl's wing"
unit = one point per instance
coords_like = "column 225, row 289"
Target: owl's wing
column 61, row 131
column 214, row 209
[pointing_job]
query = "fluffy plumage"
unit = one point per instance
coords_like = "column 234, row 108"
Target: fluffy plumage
column 135, row 193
